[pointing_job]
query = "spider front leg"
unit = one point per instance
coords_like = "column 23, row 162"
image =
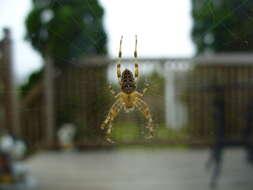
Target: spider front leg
column 119, row 60
column 136, row 65
column 107, row 124
column 145, row 89
column 144, row 109
column 111, row 90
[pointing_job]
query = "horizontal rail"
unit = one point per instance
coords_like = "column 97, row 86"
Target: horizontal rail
column 228, row 59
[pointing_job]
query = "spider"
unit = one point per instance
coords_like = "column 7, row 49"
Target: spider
column 128, row 98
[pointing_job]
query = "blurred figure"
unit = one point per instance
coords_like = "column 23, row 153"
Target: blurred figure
column 13, row 146
column 6, row 170
column 66, row 135
column 13, row 173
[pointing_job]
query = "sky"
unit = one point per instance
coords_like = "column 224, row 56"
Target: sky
column 163, row 29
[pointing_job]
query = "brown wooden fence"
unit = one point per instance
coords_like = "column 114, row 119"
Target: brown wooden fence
column 227, row 79
column 78, row 98
column 81, row 91
column 183, row 94
column 32, row 114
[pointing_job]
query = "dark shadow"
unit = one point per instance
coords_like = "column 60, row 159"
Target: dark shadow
column 247, row 133
column 221, row 142
column 5, row 167
column 216, row 157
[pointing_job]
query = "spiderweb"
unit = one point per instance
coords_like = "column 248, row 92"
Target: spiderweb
column 179, row 98
column 156, row 43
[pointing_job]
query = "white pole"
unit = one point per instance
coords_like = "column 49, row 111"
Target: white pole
column 175, row 112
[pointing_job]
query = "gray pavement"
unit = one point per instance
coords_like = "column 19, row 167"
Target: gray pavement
column 138, row 169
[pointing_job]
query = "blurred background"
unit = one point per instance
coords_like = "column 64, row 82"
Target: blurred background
column 57, row 59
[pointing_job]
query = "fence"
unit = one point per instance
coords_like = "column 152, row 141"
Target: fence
column 224, row 83
column 189, row 94
column 183, row 94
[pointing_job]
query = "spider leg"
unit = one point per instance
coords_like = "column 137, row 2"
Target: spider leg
column 141, row 94
column 145, row 89
column 136, row 72
column 119, row 60
column 111, row 90
column 144, row 109
column 107, row 124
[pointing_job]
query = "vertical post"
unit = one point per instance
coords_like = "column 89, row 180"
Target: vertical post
column 49, row 101
column 10, row 94
column 1, row 88
column 175, row 115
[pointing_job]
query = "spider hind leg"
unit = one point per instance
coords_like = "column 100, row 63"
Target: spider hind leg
column 144, row 109
column 107, row 124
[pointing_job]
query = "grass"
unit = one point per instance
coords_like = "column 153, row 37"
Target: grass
column 128, row 132
column 125, row 132
column 165, row 133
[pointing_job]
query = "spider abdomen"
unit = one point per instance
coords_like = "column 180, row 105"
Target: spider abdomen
column 128, row 84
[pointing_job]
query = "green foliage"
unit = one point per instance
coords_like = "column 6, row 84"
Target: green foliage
column 222, row 25
column 33, row 79
column 66, row 29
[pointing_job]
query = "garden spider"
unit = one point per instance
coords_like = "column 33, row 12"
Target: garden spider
column 128, row 99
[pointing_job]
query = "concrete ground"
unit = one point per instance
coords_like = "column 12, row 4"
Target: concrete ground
column 138, row 169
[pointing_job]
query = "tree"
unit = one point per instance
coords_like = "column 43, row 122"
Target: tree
column 219, row 26
column 222, row 26
column 66, row 29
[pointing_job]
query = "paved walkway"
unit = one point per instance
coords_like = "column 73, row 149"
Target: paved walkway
column 149, row 169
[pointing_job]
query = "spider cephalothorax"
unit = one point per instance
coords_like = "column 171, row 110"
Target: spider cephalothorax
column 128, row 99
